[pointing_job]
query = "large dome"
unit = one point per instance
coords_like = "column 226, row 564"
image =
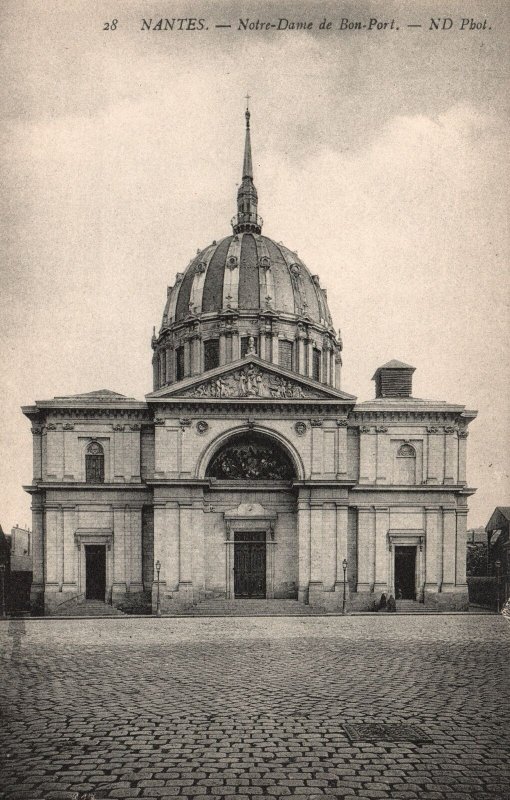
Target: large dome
column 247, row 272
column 246, row 295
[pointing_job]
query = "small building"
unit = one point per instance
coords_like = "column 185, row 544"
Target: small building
column 498, row 550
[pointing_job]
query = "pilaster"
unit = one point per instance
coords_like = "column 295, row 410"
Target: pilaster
column 304, row 544
column 431, row 548
column 460, row 568
column 365, row 549
column 382, row 524
column 449, row 549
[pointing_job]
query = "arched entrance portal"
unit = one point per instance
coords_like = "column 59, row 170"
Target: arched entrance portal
column 252, row 479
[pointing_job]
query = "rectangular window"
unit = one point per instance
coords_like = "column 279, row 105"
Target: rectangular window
column 316, row 371
column 211, row 354
column 245, row 344
column 285, row 349
column 179, row 363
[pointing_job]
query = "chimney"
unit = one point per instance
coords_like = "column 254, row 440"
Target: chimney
column 394, row 379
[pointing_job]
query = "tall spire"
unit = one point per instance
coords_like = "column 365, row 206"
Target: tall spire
column 247, row 219
column 247, row 163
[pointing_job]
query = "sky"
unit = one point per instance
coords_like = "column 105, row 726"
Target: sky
column 381, row 157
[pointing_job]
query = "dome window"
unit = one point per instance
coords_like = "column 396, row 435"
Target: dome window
column 285, row 353
column 211, row 354
column 179, row 363
column 316, row 364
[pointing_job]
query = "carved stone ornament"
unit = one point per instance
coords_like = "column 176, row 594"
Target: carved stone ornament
column 432, row 429
column 202, row 426
column 159, row 421
column 118, row 427
column 381, row 429
column 295, row 269
column 68, row 426
column 463, row 434
column 200, row 268
column 341, row 423
column 50, row 426
column 232, row 262
column 265, row 262
column 300, row 428
column 36, row 430
column 364, row 428
column 135, row 426
column 317, row 422
column 449, row 429
column 251, row 381
column 185, row 423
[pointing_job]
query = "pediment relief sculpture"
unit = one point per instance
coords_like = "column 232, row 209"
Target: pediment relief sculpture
column 251, row 381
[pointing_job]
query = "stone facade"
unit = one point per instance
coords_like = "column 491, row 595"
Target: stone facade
column 248, row 471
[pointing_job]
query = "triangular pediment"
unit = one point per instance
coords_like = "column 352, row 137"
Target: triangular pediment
column 251, row 378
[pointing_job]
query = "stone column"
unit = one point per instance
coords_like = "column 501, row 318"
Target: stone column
column 155, row 371
column 449, row 548
column 223, row 348
column 301, row 355
column 460, row 571
column 187, row 358
column 431, row 547
column 236, row 346
column 342, row 513
column 338, row 372
column 274, row 348
column 37, row 452
column 37, row 588
column 136, row 579
column 134, row 448
column 69, row 583
column 341, row 467
column 196, row 360
column 310, row 358
column 367, row 454
column 435, row 441
column 51, row 562
column 304, row 544
column 332, row 368
column 317, row 447
column 462, row 456
column 170, row 364
column 451, row 458
column 365, row 549
column 119, row 585
column 382, row 524
column 316, row 579
column 186, row 554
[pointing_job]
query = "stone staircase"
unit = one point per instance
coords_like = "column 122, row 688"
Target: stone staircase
column 412, row 607
column 249, row 608
column 87, row 608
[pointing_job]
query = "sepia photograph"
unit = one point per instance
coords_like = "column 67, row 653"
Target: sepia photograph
column 255, row 462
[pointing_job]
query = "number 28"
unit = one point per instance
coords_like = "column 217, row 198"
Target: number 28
column 110, row 26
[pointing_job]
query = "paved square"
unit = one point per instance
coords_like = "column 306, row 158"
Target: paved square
column 253, row 707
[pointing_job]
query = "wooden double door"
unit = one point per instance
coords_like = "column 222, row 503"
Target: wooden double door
column 250, row 564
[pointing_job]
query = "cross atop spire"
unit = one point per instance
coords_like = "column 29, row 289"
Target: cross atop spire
column 247, row 218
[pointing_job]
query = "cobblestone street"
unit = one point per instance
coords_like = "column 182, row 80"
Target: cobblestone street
column 253, row 707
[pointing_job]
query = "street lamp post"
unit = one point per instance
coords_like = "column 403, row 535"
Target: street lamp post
column 497, row 564
column 344, row 565
column 158, row 602
column 2, row 595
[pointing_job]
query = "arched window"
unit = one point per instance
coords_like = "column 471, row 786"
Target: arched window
column 251, row 457
column 94, row 463
column 406, row 465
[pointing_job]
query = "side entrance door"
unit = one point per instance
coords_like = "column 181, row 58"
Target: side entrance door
column 95, row 572
column 405, row 573
column 250, row 564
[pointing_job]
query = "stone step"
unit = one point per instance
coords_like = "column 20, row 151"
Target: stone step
column 249, row 607
column 87, row 608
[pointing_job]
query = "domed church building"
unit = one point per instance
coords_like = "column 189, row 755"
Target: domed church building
column 248, row 472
